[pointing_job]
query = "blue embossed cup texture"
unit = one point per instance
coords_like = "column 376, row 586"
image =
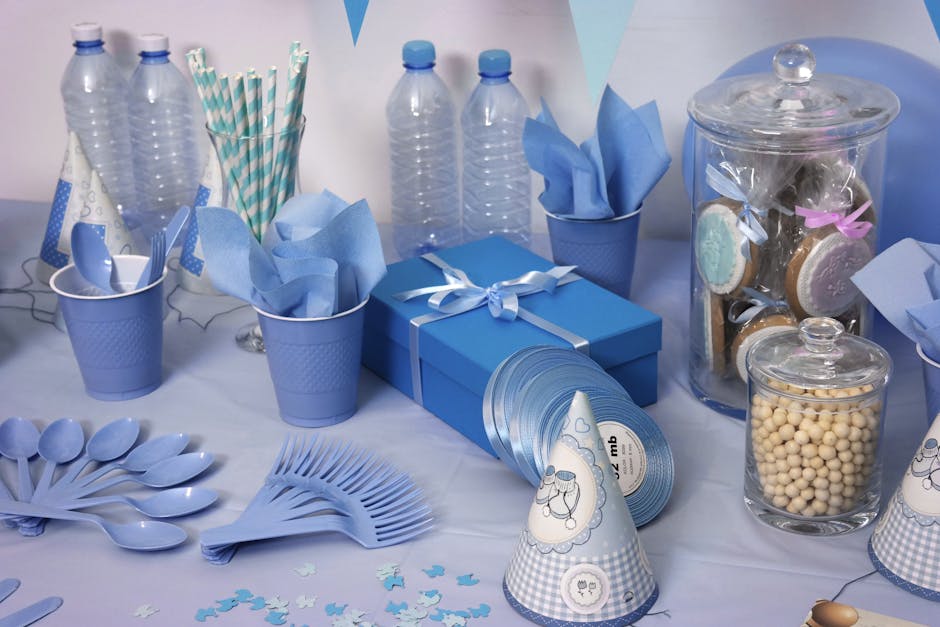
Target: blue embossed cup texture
column 603, row 250
column 314, row 365
column 931, row 371
column 117, row 339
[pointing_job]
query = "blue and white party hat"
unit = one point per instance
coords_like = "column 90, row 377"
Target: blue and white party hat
column 906, row 541
column 80, row 196
column 579, row 560
column 192, row 273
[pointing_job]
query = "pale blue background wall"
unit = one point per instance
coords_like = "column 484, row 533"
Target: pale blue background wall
column 670, row 49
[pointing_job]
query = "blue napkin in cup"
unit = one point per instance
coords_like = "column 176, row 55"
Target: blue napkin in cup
column 610, row 173
column 903, row 283
column 320, row 256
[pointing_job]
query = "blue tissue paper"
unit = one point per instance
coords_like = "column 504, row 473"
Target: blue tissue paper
column 609, row 174
column 320, row 256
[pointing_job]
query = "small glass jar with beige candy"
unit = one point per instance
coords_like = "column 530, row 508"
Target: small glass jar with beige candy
column 814, row 426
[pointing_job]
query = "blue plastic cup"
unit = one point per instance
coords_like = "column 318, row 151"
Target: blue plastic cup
column 314, row 365
column 931, row 371
column 117, row 339
column 603, row 250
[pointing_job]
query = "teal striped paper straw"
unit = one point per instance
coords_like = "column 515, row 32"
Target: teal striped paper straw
column 240, row 158
column 268, row 147
column 253, row 139
column 293, row 113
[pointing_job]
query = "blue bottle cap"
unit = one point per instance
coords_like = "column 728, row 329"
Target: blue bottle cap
column 418, row 54
column 495, row 63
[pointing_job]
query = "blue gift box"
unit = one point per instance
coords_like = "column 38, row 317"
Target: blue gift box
column 458, row 353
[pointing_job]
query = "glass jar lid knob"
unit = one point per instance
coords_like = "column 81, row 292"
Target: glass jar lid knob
column 794, row 63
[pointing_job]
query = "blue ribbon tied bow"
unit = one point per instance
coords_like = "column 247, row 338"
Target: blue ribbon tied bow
column 748, row 222
column 460, row 294
column 754, row 302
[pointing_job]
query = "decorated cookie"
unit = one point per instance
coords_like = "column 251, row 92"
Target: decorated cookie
column 719, row 246
column 756, row 329
column 714, row 331
column 818, row 279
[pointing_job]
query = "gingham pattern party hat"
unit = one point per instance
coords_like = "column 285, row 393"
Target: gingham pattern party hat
column 80, row 196
column 579, row 559
column 905, row 546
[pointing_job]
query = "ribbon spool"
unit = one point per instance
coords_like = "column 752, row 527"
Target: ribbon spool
column 525, row 405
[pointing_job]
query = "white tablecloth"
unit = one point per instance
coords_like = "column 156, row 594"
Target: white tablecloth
column 715, row 564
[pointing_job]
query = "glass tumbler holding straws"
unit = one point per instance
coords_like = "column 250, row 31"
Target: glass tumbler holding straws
column 786, row 196
column 259, row 174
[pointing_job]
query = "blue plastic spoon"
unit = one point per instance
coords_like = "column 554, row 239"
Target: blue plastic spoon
column 92, row 257
column 19, row 440
column 142, row 457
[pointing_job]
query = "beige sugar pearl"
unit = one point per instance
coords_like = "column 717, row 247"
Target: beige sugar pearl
column 832, row 510
column 808, row 494
column 817, row 463
column 801, row 484
column 808, row 511
column 784, row 478
column 791, row 491
column 792, row 447
column 820, row 507
column 827, row 452
column 770, row 479
column 780, row 452
column 858, row 420
column 835, row 476
column 816, row 433
column 775, row 438
column 780, row 501
column 795, row 473
column 857, row 447
column 849, row 492
column 798, row 503
column 822, row 471
column 868, row 435
column 824, row 416
column 821, row 495
column 781, row 465
column 861, row 461
column 836, row 488
column 778, row 490
column 845, row 456
column 841, row 430
column 843, row 445
column 820, row 483
column 794, row 461
column 809, row 474
column 829, row 438
column 842, row 418
column 794, row 418
column 801, row 437
column 836, row 500
column 834, row 464
column 779, row 418
column 809, row 450
column 768, row 492
column 787, row 432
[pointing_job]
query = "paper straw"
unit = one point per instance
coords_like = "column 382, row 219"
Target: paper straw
column 287, row 155
column 255, row 173
column 268, row 147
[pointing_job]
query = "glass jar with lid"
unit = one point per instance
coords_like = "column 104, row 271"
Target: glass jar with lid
column 814, row 427
column 787, row 187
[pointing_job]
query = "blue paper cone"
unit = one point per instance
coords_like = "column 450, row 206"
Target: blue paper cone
column 603, row 250
column 579, row 560
column 117, row 339
column 314, row 365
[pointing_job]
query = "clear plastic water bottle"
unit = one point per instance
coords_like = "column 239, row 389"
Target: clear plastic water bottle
column 94, row 93
column 163, row 141
column 496, row 180
column 423, row 140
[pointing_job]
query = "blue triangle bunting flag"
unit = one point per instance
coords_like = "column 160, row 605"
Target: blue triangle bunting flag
column 355, row 13
column 600, row 25
column 933, row 9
